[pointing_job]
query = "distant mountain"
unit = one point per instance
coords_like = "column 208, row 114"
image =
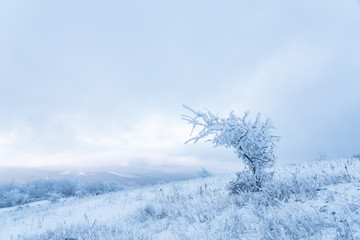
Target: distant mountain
column 22, row 175
column 125, row 178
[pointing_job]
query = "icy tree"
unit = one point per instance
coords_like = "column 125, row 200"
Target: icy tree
column 252, row 141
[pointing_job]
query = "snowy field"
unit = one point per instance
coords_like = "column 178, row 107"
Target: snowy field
column 320, row 200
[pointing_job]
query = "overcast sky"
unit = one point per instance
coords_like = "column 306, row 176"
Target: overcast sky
column 92, row 83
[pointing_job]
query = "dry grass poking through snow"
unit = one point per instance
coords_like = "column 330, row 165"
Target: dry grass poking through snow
column 320, row 200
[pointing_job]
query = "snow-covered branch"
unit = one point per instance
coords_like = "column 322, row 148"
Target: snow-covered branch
column 252, row 141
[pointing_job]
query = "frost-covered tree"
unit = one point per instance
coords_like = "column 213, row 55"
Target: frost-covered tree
column 253, row 141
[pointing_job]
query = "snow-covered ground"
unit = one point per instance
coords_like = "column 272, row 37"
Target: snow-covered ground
column 320, row 200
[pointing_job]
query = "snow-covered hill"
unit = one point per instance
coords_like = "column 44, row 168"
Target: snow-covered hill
column 319, row 200
column 128, row 177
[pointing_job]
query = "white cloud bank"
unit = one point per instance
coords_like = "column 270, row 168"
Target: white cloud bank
column 105, row 85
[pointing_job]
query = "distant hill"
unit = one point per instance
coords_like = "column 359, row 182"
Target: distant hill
column 125, row 178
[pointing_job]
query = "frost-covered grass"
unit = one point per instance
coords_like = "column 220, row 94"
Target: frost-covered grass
column 12, row 194
column 318, row 200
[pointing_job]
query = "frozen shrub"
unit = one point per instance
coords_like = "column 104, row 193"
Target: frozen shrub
column 40, row 189
column 253, row 142
column 51, row 189
column 66, row 187
column 114, row 186
column 246, row 182
column 10, row 195
column 95, row 188
column 55, row 197
column 98, row 187
column 79, row 194
column 48, row 188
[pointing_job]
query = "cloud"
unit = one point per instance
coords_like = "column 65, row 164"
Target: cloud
column 151, row 141
column 105, row 85
column 66, row 140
